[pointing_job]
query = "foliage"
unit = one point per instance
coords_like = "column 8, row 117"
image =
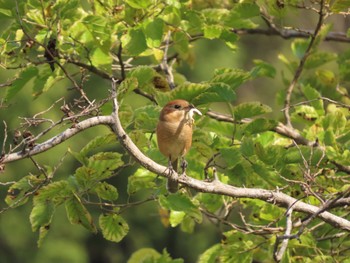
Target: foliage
column 142, row 46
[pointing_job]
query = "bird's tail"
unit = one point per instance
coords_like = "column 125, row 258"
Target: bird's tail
column 173, row 185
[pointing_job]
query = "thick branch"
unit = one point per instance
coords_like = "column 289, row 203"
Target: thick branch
column 280, row 128
column 291, row 33
column 63, row 136
column 217, row 187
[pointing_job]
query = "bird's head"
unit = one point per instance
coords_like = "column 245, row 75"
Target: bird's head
column 177, row 111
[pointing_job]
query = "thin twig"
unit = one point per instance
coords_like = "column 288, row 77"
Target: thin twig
column 300, row 68
column 278, row 254
column 164, row 65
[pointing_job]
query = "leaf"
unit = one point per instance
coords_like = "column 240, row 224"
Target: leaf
column 134, row 42
column 126, row 87
column 56, row 192
column 106, row 191
column 142, row 179
column 114, row 227
column 318, row 59
column 216, row 92
column 340, row 5
column 299, row 47
column 154, row 33
column 233, row 77
column 104, row 163
column 250, row 109
column 16, row 194
column 211, row 255
column 232, row 156
column 97, row 142
column 181, row 43
column 139, row 4
column 181, row 202
column 260, row 125
column 23, row 78
column 41, row 215
column 315, row 99
column 101, row 59
column 262, row 69
column 146, row 118
column 212, row 31
column 143, row 74
column 176, row 217
column 78, row 214
column 144, row 255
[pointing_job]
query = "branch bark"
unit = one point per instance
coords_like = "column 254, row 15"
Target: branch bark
column 63, row 136
column 217, row 187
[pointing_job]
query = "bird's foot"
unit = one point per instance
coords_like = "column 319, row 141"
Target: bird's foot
column 184, row 165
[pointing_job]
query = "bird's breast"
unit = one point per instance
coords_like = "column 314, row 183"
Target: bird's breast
column 174, row 138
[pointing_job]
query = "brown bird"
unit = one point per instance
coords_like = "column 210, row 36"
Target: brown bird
column 174, row 135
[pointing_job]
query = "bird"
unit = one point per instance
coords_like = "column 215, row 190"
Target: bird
column 174, row 135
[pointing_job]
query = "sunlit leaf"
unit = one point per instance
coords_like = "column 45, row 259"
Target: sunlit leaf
column 78, row 214
column 180, row 202
column 250, row 109
column 154, row 33
column 41, row 215
column 106, row 191
column 114, row 227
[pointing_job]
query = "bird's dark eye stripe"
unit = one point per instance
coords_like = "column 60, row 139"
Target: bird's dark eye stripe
column 176, row 106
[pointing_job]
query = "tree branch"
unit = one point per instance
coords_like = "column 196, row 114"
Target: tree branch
column 63, row 136
column 217, row 187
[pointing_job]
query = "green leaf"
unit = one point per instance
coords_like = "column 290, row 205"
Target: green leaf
column 247, row 10
column 56, row 192
column 143, row 74
column 144, row 255
column 16, row 194
column 97, row 142
column 139, row 4
column 260, row 125
column 212, row 31
column 299, row 47
column 101, row 59
column 211, row 255
column 146, row 118
column 232, row 156
column 106, row 191
column 176, row 217
column 250, row 109
column 134, row 42
column 41, row 215
column 154, row 33
column 233, row 77
column 211, row 202
column 265, row 174
column 142, row 179
column 22, row 79
column 126, row 87
column 340, row 5
column 78, row 214
column 181, row 202
column 104, row 163
column 216, row 92
column 114, row 227
column 262, row 69
column 181, row 43
column 305, row 113
column 318, row 59
column 315, row 99
column 247, row 146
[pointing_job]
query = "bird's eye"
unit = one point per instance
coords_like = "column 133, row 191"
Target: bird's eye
column 177, row 106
